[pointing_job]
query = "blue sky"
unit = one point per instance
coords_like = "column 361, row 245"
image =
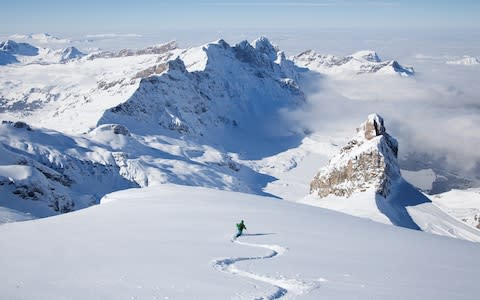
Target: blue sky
column 25, row 16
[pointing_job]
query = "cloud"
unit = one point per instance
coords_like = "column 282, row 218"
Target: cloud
column 113, row 35
column 435, row 114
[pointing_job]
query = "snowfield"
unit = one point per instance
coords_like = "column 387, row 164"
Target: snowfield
column 156, row 153
column 463, row 204
column 174, row 242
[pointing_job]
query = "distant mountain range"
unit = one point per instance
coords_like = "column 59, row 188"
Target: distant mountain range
column 78, row 126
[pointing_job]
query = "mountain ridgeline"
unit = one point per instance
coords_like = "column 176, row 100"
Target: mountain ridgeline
column 214, row 116
column 215, row 87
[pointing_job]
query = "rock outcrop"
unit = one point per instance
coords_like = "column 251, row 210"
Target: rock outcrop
column 368, row 160
column 113, row 128
column 157, row 49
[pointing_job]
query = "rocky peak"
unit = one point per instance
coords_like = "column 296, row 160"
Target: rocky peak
column 406, row 71
column 372, row 127
column 368, row 160
column 248, row 54
column 158, row 49
column 176, row 65
column 222, row 43
column 70, row 53
column 264, row 46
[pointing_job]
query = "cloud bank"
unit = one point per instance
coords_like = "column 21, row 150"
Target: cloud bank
column 434, row 115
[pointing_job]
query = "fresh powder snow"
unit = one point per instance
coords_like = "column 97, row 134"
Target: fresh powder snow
column 175, row 242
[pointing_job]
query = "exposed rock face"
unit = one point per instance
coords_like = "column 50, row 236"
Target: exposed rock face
column 114, row 128
column 264, row 46
column 216, row 86
column 17, row 124
column 157, row 49
column 368, row 160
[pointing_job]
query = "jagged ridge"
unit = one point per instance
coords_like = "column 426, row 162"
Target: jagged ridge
column 213, row 86
column 361, row 62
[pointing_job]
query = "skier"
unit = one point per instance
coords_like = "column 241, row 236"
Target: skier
column 240, row 227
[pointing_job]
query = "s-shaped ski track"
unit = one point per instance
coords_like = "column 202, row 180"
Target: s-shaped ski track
column 284, row 288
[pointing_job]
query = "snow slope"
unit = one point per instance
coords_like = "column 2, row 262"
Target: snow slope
column 406, row 207
column 43, row 172
column 171, row 242
column 463, row 204
column 57, row 173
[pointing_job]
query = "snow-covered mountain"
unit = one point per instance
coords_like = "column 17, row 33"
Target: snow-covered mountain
column 214, row 88
column 211, row 116
column 42, row 38
column 134, row 123
column 69, row 53
column 13, row 52
column 466, row 61
column 9, row 50
column 364, row 180
column 156, row 49
column 366, row 61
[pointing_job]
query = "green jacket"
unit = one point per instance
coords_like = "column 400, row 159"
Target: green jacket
column 241, row 226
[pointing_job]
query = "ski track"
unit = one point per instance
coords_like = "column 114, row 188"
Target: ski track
column 283, row 286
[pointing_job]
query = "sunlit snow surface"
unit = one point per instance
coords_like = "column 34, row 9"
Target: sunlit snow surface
column 165, row 242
